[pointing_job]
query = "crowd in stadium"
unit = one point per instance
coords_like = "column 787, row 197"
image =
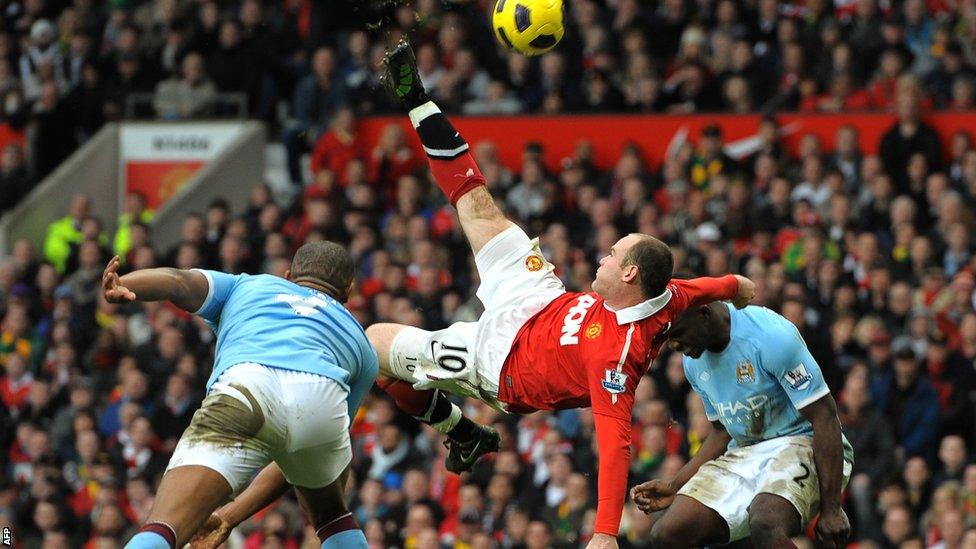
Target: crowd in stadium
column 871, row 256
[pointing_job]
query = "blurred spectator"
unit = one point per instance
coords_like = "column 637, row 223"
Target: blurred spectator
column 909, row 135
column 53, row 132
column 15, row 181
column 317, row 98
column 190, row 96
column 65, row 232
column 910, row 403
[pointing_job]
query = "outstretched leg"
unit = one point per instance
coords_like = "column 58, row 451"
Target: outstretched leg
column 451, row 164
column 398, row 348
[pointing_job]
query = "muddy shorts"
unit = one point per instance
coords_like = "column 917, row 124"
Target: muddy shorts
column 254, row 415
column 781, row 466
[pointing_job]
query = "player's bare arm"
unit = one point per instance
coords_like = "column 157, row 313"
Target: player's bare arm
column 833, row 528
column 185, row 289
column 658, row 494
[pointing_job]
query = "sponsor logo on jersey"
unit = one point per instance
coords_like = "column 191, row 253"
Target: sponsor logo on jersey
column 533, row 263
column 744, row 372
column 574, row 319
column 614, row 382
column 731, row 408
column 594, row 330
column 798, row 378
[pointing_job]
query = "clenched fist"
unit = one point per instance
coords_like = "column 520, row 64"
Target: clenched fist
column 654, row 495
column 747, row 292
column 212, row 534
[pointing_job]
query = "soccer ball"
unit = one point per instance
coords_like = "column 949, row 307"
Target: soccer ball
column 530, row 27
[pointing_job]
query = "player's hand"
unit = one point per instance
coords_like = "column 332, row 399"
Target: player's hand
column 833, row 528
column 212, row 534
column 653, row 495
column 602, row 541
column 747, row 292
column 112, row 288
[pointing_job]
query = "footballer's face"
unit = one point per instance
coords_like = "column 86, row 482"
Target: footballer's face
column 689, row 334
column 612, row 274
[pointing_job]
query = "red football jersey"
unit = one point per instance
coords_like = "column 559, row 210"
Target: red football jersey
column 577, row 352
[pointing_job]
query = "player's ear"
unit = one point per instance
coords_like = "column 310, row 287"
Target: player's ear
column 288, row 274
column 630, row 273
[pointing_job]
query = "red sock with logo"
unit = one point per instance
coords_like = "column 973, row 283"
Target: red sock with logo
column 454, row 170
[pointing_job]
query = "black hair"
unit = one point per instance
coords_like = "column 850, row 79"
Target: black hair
column 327, row 262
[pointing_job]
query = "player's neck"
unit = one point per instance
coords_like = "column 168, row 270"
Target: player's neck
column 319, row 286
column 624, row 300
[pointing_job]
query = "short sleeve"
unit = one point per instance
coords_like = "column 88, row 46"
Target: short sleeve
column 710, row 412
column 220, row 285
column 363, row 382
column 787, row 358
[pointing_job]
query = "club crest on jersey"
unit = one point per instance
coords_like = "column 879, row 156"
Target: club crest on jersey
column 573, row 321
column 594, row 330
column 533, row 263
column 614, row 382
column 798, row 378
column 744, row 372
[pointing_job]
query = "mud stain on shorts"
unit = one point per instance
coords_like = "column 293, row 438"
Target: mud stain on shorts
column 223, row 420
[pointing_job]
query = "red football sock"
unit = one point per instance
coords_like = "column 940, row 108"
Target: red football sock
column 408, row 399
column 447, row 152
column 456, row 177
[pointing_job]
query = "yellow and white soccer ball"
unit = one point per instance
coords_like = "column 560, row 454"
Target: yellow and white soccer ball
column 530, row 27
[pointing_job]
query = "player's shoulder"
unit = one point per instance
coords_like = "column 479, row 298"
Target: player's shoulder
column 756, row 320
column 766, row 331
column 265, row 281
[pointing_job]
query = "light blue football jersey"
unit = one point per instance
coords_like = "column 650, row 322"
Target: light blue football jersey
column 271, row 321
column 758, row 384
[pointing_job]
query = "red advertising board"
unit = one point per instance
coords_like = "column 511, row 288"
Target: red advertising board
column 157, row 160
column 653, row 133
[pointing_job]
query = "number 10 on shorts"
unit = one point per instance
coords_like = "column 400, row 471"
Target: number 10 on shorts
column 450, row 357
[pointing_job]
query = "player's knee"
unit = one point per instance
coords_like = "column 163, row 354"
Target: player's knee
column 375, row 333
column 381, row 337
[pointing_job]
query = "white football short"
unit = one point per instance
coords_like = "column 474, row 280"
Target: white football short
column 466, row 358
column 781, row 466
column 254, row 415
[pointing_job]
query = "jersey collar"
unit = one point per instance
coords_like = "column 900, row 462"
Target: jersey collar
column 641, row 310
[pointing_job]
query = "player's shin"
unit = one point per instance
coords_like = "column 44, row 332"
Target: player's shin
column 431, row 407
column 454, row 170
